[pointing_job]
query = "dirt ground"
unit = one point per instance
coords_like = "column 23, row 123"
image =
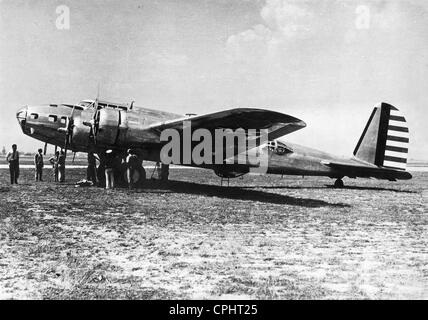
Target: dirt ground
column 264, row 237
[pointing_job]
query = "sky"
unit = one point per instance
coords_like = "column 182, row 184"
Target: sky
column 325, row 62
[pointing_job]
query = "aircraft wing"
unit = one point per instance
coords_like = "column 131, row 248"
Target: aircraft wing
column 278, row 124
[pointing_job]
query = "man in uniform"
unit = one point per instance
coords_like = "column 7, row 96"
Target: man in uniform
column 38, row 162
column 54, row 161
column 61, row 166
column 131, row 166
column 12, row 158
column 91, row 171
column 109, row 169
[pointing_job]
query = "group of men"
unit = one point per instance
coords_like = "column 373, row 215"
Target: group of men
column 57, row 161
column 58, row 166
column 131, row 161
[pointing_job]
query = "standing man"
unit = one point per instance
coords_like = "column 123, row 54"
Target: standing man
column 109, row 166
column 131, row 166
column 91, row 171
column 54, row 161
column 13, row 159
column 38, row 162
column 61, row 166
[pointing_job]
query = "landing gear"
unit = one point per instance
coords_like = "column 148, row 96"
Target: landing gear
column 164, row 172
column 224, row 179
column 338, row 183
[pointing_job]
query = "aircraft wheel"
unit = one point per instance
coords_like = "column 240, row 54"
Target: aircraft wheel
column 338, row 183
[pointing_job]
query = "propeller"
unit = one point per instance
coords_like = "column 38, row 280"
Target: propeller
column 94, row 123
column 68, row 130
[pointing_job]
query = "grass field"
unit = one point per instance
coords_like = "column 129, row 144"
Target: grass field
column 263, row 237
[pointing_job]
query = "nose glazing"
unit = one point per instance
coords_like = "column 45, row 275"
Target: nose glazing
column 21, row 115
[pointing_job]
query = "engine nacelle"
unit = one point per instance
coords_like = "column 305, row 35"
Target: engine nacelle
column 107, row 126
column 110, row 128
column 81, row 136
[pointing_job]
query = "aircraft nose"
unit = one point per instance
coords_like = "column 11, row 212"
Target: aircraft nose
column 21, row 115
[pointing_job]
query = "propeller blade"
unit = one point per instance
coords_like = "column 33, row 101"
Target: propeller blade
column 95, row 121
column 46, row 147
column 69, row 130
column 72, row 111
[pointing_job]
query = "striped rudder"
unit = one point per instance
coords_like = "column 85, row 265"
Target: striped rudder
column 397, row 140
column 385, row 139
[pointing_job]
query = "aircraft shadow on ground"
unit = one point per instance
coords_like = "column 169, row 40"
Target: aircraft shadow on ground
column 327, row 186
column 373, row 188
column 237, row 193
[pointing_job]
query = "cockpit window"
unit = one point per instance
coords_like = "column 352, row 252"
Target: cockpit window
column 34, row 116
column 84, row 103
column 63, row 119
column 279, row 147
column 52, row 118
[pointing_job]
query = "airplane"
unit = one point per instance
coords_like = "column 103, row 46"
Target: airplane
column 97, row 126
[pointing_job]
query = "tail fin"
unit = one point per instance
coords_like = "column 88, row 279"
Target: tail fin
column 385, row 138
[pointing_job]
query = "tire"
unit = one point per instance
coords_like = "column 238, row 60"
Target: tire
column 338, row 183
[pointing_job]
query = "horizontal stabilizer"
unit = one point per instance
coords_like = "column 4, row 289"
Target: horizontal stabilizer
column 361, row 170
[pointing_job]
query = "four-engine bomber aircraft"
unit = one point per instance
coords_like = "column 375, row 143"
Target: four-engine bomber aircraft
column 97, row 126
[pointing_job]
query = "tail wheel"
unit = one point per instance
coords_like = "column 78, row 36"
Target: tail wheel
column 338, row 183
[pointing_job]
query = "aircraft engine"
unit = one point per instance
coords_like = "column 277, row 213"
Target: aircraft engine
column 107, row 126
column 81, row 132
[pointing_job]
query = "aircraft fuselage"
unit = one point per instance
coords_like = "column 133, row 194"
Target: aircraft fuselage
column 120, row 127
